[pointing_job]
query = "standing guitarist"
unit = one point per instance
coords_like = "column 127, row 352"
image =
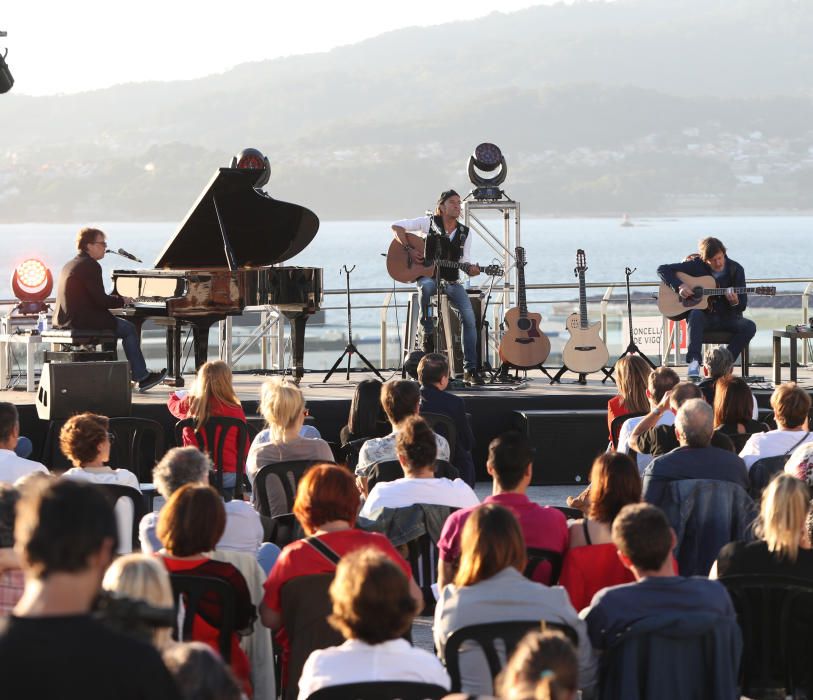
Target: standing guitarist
column 445, row 223
column 723, row 313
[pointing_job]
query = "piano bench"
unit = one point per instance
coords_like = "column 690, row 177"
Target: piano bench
column 69, row 345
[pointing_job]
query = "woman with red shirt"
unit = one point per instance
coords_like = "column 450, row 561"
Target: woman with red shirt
column 327, row 501
column 191, row 523
column 591, row 562
column 212, row 395
column 631, row 374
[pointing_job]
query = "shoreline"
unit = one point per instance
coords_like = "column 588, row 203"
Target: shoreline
column 633, row 218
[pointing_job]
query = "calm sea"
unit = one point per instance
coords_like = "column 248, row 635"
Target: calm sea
column 768, row 246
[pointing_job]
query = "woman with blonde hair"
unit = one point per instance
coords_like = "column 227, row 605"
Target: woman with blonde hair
column 544, row 666
column 783, row 546
column 212, row 395
column 141, row 577
column 489, row 587
column 283, row 407
column 631, row 375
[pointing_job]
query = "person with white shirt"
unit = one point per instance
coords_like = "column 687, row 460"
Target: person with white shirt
column 12, row 467
column 445, row 226
column 84, row 440
column 660, row 381
column 416, row 449
column 791, row 406
column 244, row 530
column 373, row 609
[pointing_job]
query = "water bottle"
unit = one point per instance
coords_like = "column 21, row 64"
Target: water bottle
column 42, row 322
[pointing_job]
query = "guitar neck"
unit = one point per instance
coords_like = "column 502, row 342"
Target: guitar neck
column 719, row 291
column 582, row 301
column 452, row 264
column 523, row 306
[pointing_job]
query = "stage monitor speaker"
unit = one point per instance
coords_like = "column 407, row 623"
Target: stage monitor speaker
column 565, row 443
column 67, row 388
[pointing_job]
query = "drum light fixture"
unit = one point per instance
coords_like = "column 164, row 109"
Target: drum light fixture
column 31, row 283
column 487, row 158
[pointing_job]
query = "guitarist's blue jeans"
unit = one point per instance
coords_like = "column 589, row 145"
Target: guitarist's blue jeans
column 459, row 300
column 699, row 322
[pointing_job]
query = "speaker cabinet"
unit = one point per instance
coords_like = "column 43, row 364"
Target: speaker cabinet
column 565, row 443
column 67, row 388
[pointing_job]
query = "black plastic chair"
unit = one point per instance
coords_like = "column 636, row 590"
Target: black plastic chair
column 384, row 471
column 350, row 452
column 485, row 636
column 288, row 475
column 570, row 513
column 306, row 605
column 113, row 492
column 618, row 421
column 191, row 590
column 138, row 445
column 212, row 439
column 724, row 338
column 380, row 690
column 537, row 557
column 392, row 470
column 444, row 426
column 775, row 614
column 762, row 472
column 739, row 439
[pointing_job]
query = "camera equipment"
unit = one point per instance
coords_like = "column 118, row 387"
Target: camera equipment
column 135, row 618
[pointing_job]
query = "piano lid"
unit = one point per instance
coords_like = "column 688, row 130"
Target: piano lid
column 262, row 230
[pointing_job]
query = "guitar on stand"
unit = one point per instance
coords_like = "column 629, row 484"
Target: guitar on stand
column 523, row 346
column 405, row 264
column 585, row 352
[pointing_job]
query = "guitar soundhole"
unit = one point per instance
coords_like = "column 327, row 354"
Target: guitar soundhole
column 523, row 324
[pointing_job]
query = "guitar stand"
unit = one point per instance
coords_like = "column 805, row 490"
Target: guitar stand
column 632, row 348
column 350, row 349
column 556, row 379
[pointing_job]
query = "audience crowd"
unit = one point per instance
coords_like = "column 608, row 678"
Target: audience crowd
column 698, row 497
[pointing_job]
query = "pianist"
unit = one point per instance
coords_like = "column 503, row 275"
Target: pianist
column 82, row 304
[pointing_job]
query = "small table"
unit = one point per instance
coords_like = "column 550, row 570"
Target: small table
column 31, row 342
column 777, row 352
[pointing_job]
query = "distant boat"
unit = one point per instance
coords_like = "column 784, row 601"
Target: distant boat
column 625, row 221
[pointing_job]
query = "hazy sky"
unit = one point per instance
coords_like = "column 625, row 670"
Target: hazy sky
column 58, row 46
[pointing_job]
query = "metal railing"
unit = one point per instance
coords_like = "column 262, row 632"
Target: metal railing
column 270, row 332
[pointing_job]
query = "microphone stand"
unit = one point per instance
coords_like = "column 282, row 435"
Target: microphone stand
column 350, row 349
column 632, row 348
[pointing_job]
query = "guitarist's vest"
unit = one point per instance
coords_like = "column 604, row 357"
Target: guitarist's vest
column 456, row 244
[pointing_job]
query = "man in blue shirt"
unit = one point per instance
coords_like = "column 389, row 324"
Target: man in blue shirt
column 645, row 543
column 723, row 313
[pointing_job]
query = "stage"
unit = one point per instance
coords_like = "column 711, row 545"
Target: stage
column 566, row 421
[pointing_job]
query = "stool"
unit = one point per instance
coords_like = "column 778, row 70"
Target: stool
column 71, row 345
column 723, row 338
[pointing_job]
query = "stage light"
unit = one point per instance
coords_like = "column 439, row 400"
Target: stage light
column 252, row 159
column 31, row 283
column 487, row 158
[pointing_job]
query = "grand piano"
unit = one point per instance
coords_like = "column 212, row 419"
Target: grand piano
column 225, row 256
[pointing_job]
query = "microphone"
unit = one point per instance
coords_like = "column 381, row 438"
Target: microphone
column 124, row 254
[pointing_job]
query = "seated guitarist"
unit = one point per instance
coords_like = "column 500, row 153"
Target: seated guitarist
column 445, row 222
column 723, row 313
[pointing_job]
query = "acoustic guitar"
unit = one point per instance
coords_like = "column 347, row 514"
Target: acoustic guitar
column 523, row 345
column 585, row 352
column 403, row 265
column 704, row 289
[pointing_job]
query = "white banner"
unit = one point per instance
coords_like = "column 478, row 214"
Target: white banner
column 646, row 332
